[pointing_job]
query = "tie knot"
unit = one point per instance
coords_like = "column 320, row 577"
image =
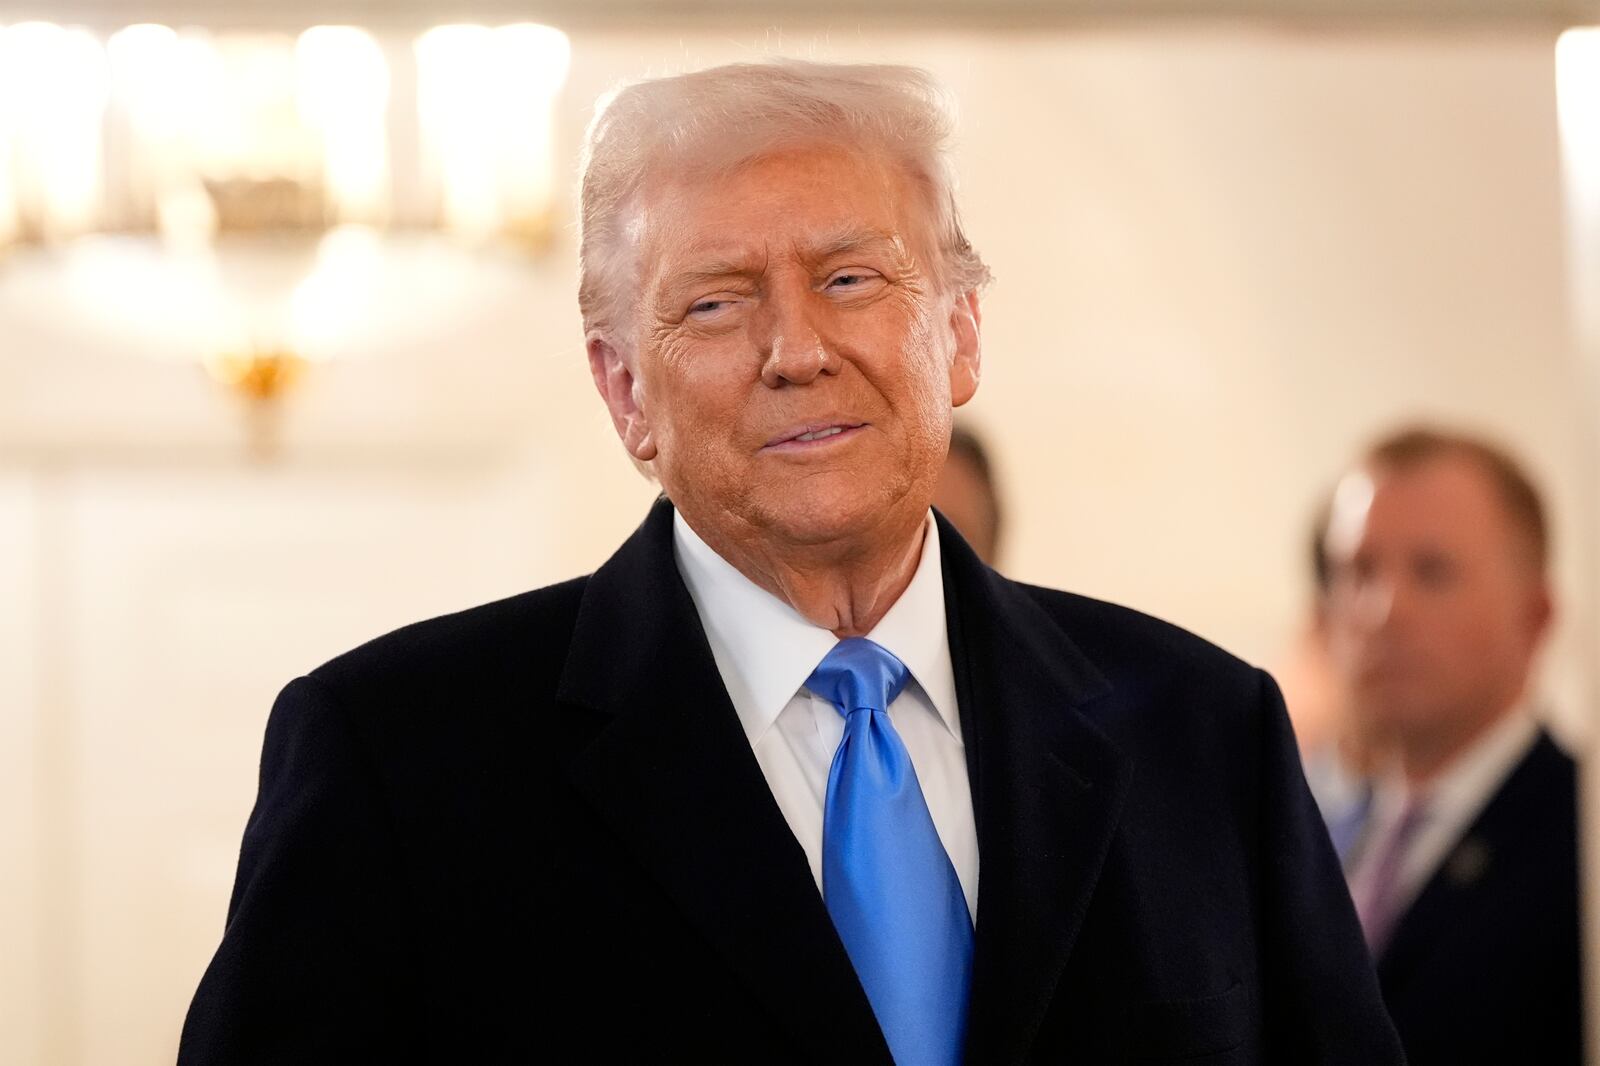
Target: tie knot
column 1412, row 816
column 858, row 675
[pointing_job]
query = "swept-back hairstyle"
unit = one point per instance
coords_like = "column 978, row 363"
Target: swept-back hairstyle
column 712, row 120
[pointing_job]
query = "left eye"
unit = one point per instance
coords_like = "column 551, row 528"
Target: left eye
column 857, row 283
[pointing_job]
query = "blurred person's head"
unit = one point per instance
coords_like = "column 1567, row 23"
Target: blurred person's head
column 1434, row 559
column 780, row 307
column 967, row 495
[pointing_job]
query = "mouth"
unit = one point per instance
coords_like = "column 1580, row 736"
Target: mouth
column 814, row 434
column 1388, row 669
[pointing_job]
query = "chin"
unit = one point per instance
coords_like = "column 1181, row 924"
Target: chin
column 1404, row 709
column 830, row 514
column 804, row 526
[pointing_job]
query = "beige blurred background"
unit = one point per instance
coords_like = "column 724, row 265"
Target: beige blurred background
column 1228, row 250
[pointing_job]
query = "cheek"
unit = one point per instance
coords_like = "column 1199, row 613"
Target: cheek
column 914, row 359
column 1466, row 642
column 674, row 356
column 695, row 396
column 1344, row 642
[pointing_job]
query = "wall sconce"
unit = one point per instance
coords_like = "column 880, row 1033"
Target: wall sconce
column 270, row 193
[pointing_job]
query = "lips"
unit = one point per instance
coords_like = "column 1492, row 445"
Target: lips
column 813, row 432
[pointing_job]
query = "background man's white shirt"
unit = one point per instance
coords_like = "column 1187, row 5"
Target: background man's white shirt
column 765, row 651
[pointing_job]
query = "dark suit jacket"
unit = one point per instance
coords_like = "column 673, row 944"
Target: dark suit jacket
column 1484, row 967
column 535, row 831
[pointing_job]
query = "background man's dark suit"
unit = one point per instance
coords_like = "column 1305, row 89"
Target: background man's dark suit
column 1484, row 966
column 536, row 831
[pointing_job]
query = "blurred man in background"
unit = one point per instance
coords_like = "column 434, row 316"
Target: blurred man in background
column 1464, row 871
column 966, row 493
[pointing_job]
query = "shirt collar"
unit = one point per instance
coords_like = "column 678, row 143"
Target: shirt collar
column 1458, row 793
column 765, row 650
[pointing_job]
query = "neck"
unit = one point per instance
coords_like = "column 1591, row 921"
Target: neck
column 1424, row 759
column 844, row 588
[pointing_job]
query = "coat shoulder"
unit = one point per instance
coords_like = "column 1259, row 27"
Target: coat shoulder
column 1536, row 807
column 1130, row 646
column 525, row 636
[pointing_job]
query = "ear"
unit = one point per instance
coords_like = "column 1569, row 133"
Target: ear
column 966, row 320
column 623, row 396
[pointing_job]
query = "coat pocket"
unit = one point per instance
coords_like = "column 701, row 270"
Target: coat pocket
column 1178, row 1029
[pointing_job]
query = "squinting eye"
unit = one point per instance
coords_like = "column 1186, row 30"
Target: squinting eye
column 849, row 281
column 709, row 308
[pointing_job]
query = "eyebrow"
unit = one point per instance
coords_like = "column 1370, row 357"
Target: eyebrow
column 733, row 264
column 850, row 240
column 717, row 269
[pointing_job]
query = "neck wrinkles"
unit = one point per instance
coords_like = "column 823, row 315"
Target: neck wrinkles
column 846, row 589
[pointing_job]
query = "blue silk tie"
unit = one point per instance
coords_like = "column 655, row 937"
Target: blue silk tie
column 886, row 879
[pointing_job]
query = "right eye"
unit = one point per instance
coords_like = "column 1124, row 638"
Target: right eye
column 712, row 307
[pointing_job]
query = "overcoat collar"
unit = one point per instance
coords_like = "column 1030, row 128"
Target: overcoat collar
column 674, row 776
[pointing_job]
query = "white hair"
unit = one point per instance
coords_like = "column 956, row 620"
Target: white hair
column 713, row 120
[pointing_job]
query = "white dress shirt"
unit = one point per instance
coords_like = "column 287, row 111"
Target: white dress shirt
column 1453, row 802
column 765, row 651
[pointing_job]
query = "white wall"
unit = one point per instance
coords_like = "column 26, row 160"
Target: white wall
column 21, row 718
column 1224, row 258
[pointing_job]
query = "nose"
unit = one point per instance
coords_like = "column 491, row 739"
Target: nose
column 785, row 334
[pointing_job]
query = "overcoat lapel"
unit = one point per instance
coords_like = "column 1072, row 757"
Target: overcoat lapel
column 1451, row 897
column 673, row 775
column 1047, row 790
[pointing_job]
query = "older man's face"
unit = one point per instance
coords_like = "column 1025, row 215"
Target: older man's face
column 795, row 361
